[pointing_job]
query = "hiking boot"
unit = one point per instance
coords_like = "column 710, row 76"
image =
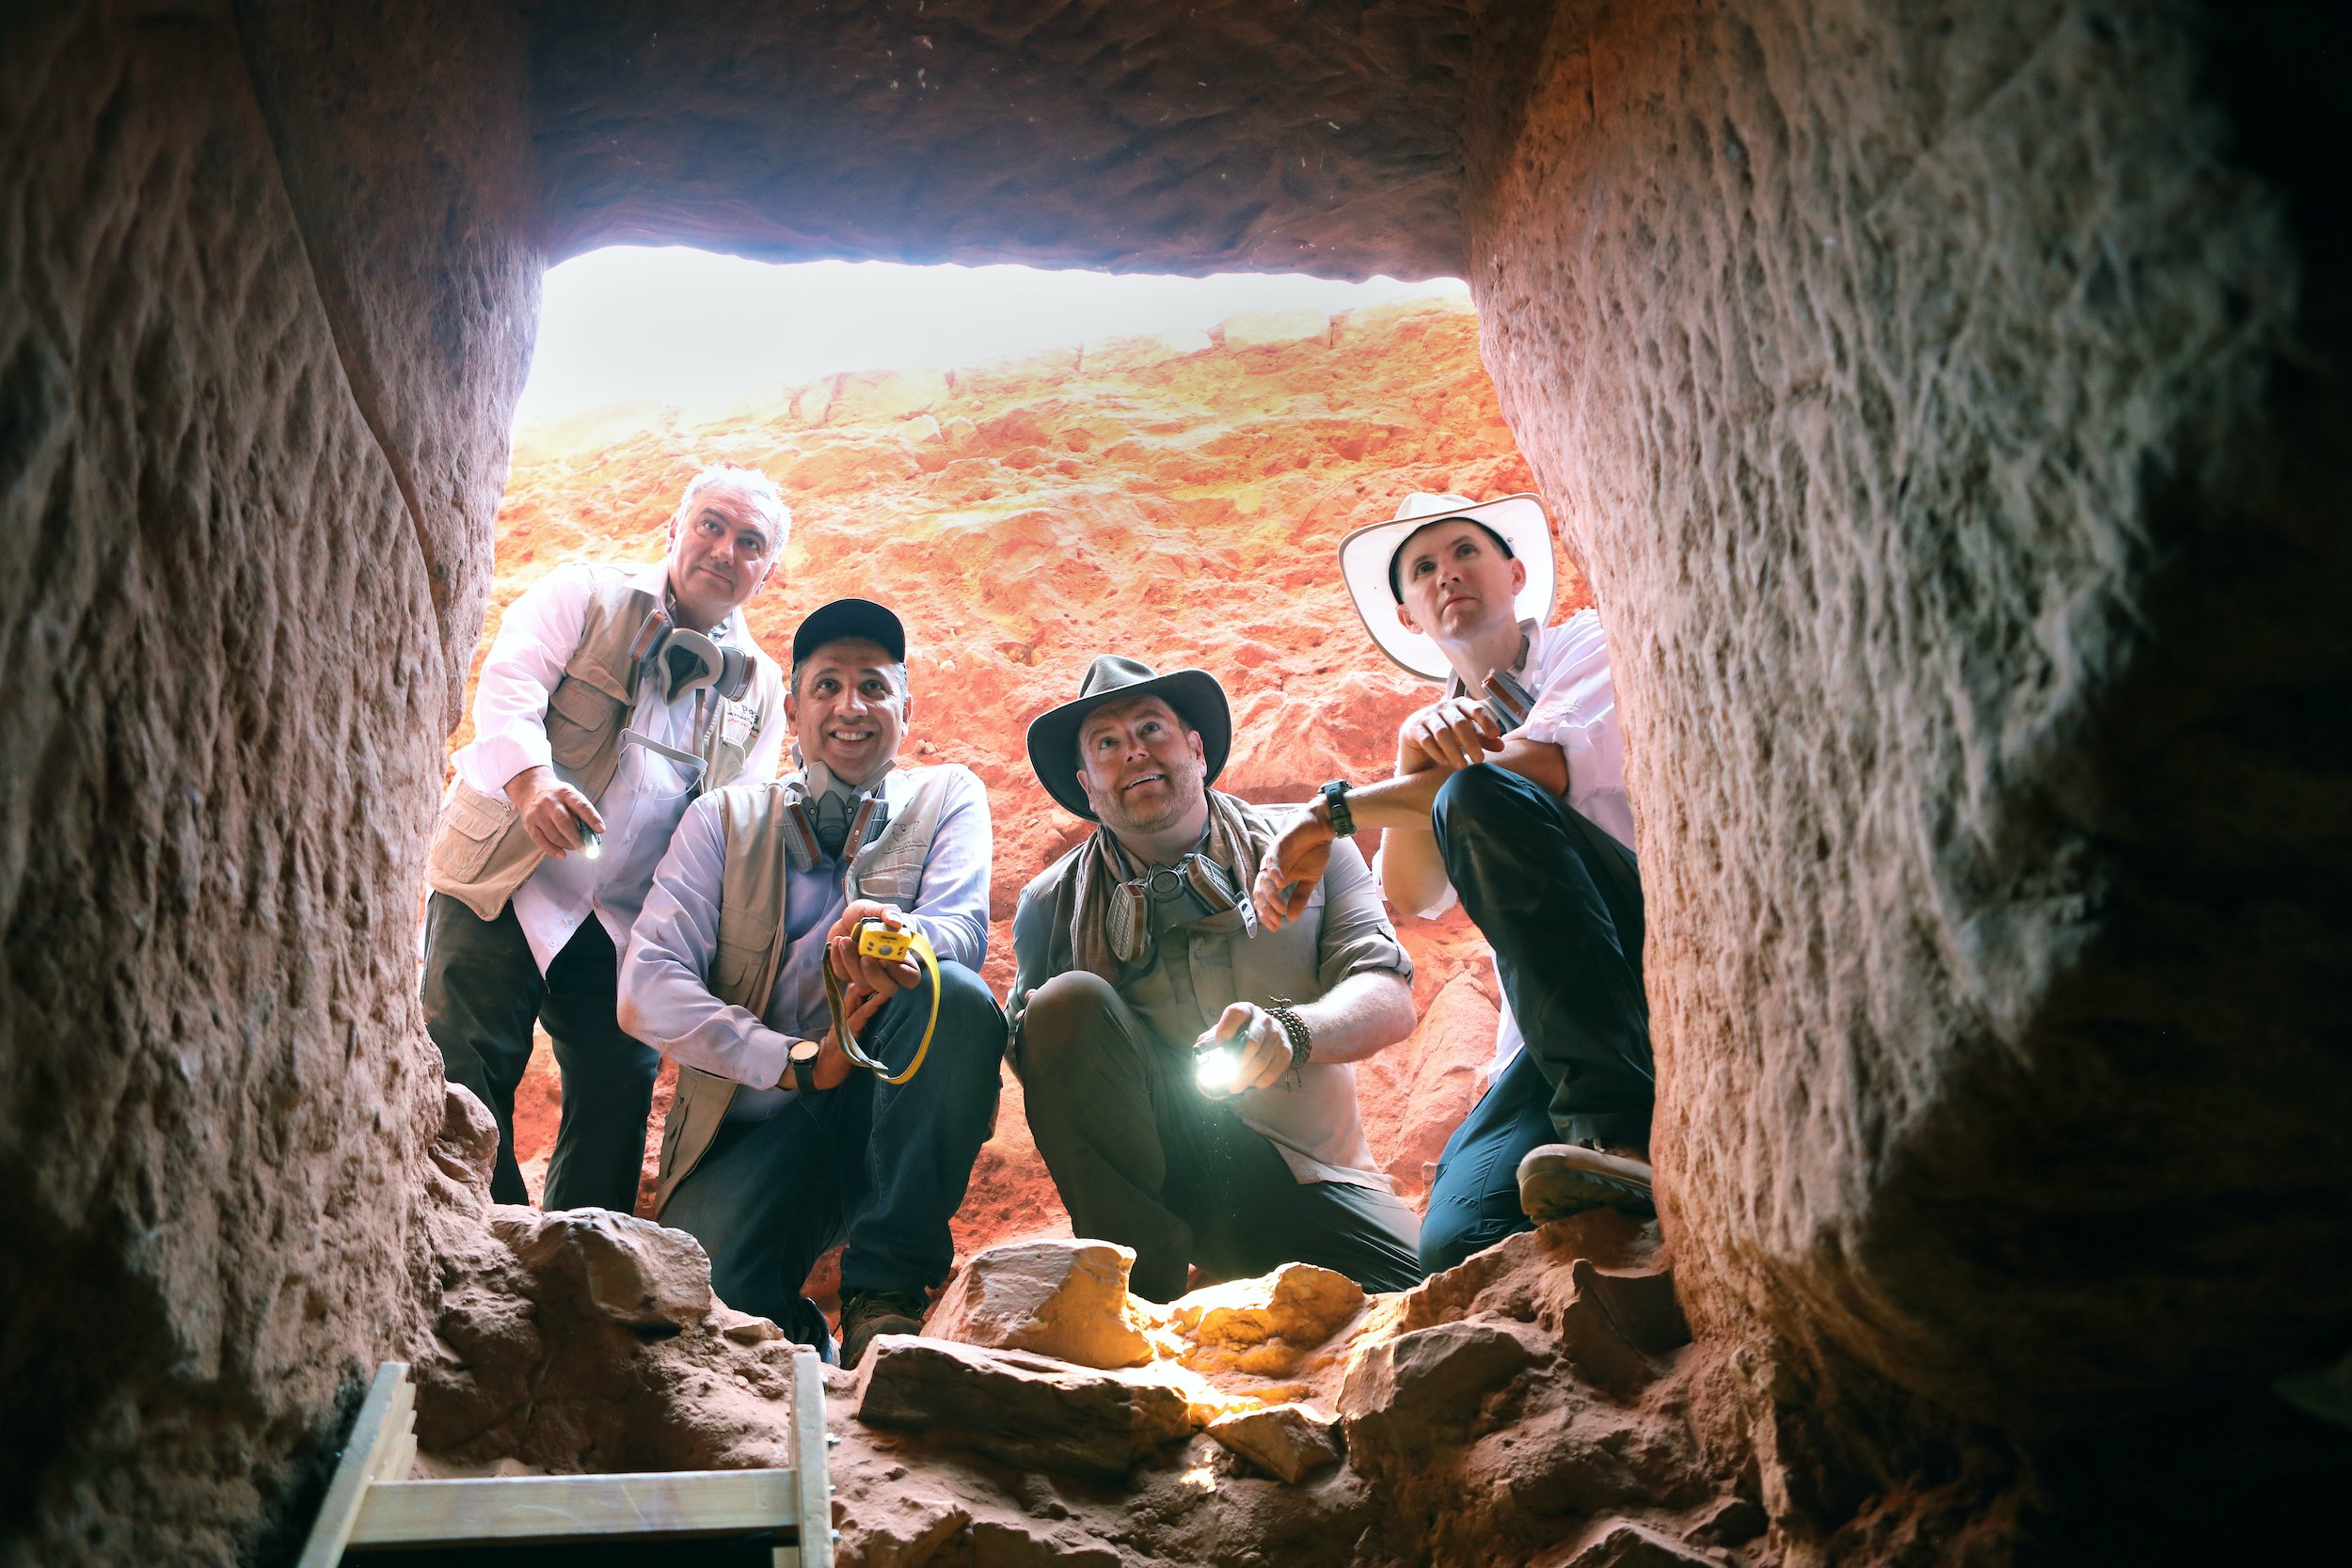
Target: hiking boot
column 871, row 1312
column 1560, row 1179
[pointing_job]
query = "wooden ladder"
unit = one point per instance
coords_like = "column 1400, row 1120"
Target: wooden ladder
column 372, row 1504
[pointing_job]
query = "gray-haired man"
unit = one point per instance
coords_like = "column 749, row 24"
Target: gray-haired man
column 611, row 698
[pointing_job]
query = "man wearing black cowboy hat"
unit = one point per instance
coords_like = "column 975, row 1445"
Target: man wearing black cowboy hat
column 609, row 698
column 1186, row 1068
column 1510, row 792
column 779, row 1143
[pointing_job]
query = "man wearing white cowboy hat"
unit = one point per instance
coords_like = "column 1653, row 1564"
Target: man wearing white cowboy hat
column 1185, row 1067
column 611, row 696
column 1509, row 793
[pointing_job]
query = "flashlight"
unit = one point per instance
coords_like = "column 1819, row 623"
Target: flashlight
column 591, row 842
column 1215, row 1066
column 878, row 941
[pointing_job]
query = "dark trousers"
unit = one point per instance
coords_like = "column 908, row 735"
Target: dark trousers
column 482, row 990
column 1142, row 1157
column 884, row 1166
column 1559, row 901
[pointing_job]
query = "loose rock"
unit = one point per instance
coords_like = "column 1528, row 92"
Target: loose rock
column 1066, row 1299
column 1021, row 1408
column 632, row 1271
column 1290, row 1441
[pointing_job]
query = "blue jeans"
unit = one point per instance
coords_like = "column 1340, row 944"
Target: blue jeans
column 883, row 1166
column 1559, row 901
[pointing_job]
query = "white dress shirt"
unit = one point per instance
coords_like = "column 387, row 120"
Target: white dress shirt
column 648, row 794
column 1575, row 709
column 665, row 987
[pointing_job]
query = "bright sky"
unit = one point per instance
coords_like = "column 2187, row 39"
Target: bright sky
column 687, row 326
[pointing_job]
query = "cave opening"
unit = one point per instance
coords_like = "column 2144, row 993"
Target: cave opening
column 1187, row 451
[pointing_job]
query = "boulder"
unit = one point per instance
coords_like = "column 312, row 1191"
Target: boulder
column 1066, row 1299
column 1427, row 1383
column 1289, row 1441
column 1266, row 1325
column 638, row 1273
column 1625, row 1545
column 1023, row 1409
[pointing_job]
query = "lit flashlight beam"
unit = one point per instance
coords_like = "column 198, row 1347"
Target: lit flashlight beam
column 1217, row 1067
column 591, row 842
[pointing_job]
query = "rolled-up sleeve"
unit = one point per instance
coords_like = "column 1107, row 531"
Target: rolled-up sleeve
column 952, row 909
column 535, row 640
column 1576, row 710
column 665, row 997
column 1355, row 935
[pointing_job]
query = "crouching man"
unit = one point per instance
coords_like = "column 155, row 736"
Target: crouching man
column 1509, row 791
column 1138, row 952
column 610, row 696
column 779, row 1145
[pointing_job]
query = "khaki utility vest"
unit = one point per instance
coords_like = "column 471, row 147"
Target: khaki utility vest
column 481, row 851
column 751, row 931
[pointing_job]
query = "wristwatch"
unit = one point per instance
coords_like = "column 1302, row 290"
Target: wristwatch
column 803, row 1059
column 1335, row 800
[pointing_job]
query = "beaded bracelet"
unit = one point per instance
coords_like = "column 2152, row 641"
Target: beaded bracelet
column 1296, row 1027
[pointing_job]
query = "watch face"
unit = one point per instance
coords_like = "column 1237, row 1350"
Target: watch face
column 804, row 1051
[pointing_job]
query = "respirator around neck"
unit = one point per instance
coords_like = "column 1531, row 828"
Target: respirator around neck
column 686, row 661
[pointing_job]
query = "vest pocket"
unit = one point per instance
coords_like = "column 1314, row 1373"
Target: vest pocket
column 733, row 968
column 472, row 825
column 581, row 722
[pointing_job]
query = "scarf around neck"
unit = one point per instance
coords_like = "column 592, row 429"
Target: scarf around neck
column 1110, row 924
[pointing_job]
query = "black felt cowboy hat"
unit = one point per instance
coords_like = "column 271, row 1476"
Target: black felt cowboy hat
column 1194, row 695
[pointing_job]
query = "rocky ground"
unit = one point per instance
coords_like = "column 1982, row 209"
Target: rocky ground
column 1542, row 1403
column 1181, row 500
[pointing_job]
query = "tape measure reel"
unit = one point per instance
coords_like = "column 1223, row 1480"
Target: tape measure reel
column 878, row 942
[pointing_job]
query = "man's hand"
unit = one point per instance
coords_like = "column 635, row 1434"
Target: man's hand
column 552, row 810
column 1265, row 1048
column 1290, row 867
column 853, row 967
column 859, row 1003
column 1452, row 735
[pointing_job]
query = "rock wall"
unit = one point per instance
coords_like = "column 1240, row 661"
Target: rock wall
column 1933, row 398
column 243, row 493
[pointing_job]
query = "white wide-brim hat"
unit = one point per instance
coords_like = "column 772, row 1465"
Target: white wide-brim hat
column 1365, row 555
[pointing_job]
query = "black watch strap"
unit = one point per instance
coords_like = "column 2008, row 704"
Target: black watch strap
column 804, row 1066
column 1335, row 800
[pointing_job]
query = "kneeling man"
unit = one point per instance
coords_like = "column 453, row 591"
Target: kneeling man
column 1139, row 949
column 778, row 1145
column 1509, row 791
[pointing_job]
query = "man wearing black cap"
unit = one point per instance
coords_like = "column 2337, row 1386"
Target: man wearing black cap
column 1185, row 1068
column 779, row 1143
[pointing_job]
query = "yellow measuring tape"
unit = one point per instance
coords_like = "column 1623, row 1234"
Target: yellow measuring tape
column 878, row 941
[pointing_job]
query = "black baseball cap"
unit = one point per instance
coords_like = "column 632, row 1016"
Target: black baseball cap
column 859, row 618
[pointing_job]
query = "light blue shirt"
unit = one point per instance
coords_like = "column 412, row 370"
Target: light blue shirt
column 665, row 997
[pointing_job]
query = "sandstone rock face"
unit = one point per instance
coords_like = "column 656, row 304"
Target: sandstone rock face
column 1064, row 1299
column 633, row 1271
column 243, row 490
column 1267, row 1326
column 1316, row 137
column 1923, row 404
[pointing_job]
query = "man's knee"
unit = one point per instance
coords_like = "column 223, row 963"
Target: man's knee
column 1482, row 800
column 1449, row 1237
column 1070, row 1012
column 969, row 1041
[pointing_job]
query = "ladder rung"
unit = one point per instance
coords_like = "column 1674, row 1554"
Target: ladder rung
column 675, row 1504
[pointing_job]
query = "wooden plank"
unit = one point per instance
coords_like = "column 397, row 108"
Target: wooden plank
column 388, row 1398
column 811, row 1460
column 672, row 1504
